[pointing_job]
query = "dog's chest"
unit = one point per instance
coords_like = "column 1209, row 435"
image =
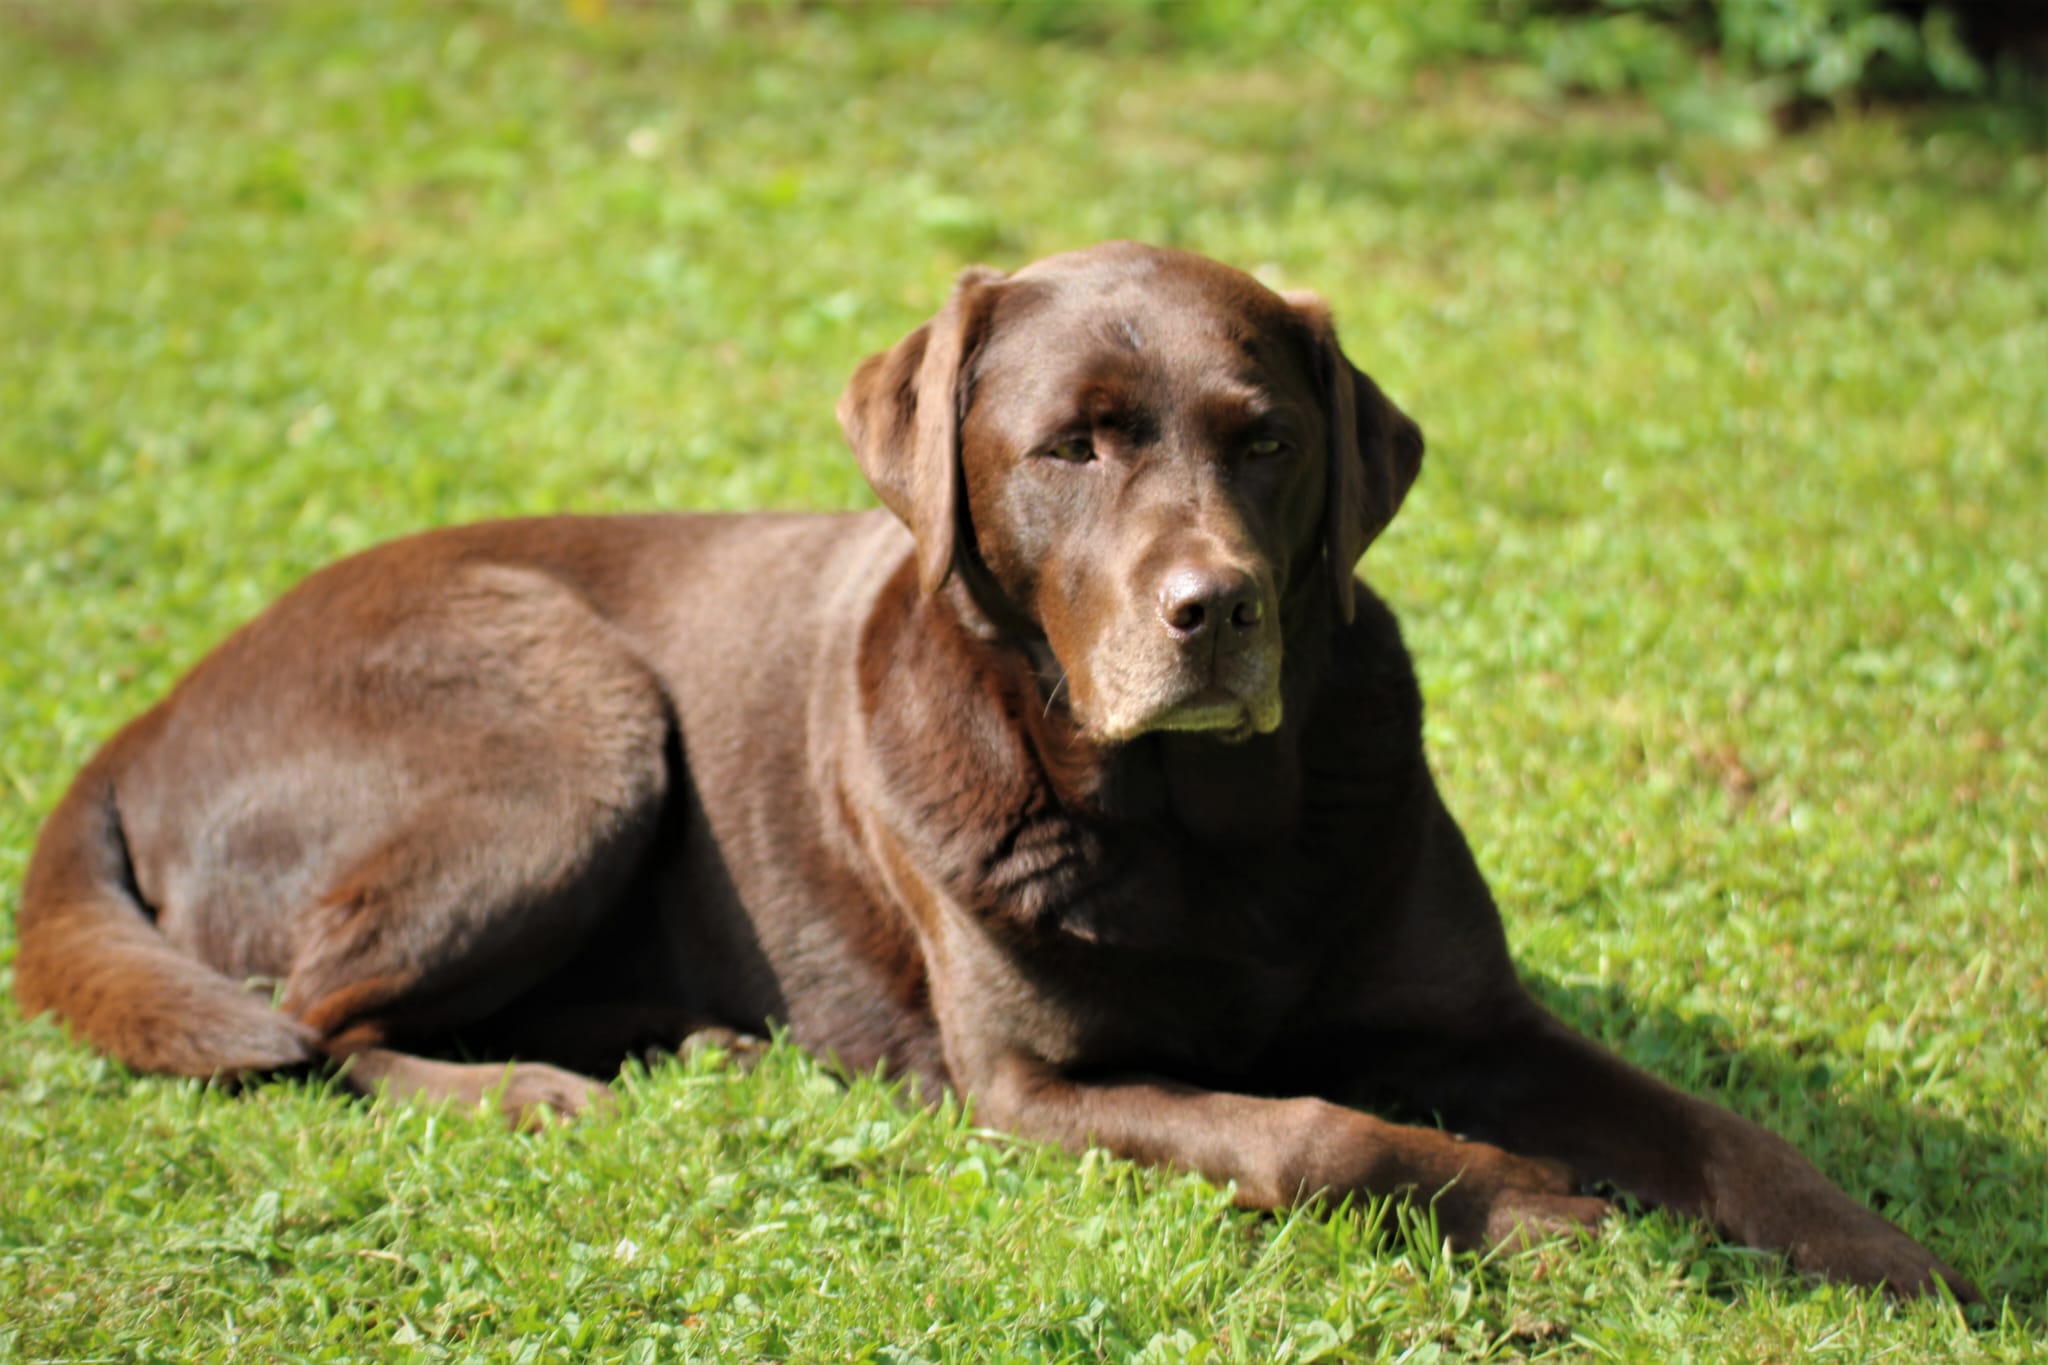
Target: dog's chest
column 1148, row 946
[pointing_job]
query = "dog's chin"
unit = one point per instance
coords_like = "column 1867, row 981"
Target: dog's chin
column 1214, row 711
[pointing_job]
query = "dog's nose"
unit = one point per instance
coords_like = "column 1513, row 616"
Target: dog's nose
column 1194, row 601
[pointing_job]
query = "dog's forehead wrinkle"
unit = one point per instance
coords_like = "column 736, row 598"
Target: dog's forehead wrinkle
column 1244, row 394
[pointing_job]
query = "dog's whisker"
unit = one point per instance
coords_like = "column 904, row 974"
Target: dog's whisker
column 1053, row 695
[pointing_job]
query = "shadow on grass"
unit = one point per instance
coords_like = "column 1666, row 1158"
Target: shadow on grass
column 1975, row 1198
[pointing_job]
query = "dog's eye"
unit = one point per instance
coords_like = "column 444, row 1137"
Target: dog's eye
column 1080, row 450
column 1270, row 445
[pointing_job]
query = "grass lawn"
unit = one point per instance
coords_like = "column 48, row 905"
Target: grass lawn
column 1725, row 576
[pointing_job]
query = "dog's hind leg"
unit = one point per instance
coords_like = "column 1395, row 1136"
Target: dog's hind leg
column 420, row 944
column 402, row 798
column 549, row 769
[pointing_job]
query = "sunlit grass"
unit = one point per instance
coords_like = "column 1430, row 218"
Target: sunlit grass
column 1725, row 577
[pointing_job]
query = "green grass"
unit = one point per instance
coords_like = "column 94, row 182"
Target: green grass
column 1725, row 577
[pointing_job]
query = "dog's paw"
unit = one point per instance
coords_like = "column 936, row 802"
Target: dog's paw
column 1502, row 1200
column 741, row 1051
column 1519, row 1220
column 1867, row 1250
column 1775, row 1199
column 1537, row 1200
column 535, row 1094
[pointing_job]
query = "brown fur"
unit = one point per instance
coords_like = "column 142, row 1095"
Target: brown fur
column 1097, row 793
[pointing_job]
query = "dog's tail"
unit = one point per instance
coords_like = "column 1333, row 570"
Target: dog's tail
column 90, row 952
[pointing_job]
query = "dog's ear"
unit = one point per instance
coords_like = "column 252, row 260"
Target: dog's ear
column 1374, row 453
column 901, row 413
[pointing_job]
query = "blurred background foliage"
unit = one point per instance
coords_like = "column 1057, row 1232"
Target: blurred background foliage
column 1730, row 68
column 1725, row 66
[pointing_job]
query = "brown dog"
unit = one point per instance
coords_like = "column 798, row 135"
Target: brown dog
column 1098, row 794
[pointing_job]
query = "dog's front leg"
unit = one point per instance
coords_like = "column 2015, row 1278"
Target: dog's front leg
column 1278, row 1152
column 1535, row 1086
column 1472, row 1047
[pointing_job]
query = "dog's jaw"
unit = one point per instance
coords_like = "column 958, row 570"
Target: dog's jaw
column 1229, row 711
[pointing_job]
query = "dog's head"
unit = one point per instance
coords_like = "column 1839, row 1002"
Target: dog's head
column 1152, row 459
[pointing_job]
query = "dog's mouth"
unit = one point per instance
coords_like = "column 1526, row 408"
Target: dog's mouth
column 1117, row 693
column 1208, row 709
column 1216, row 710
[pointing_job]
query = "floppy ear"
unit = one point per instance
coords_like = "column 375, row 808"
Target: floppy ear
column 901, row 414
column 1374, row 453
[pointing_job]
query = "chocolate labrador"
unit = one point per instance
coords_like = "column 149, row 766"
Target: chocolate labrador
column 1085, row 780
